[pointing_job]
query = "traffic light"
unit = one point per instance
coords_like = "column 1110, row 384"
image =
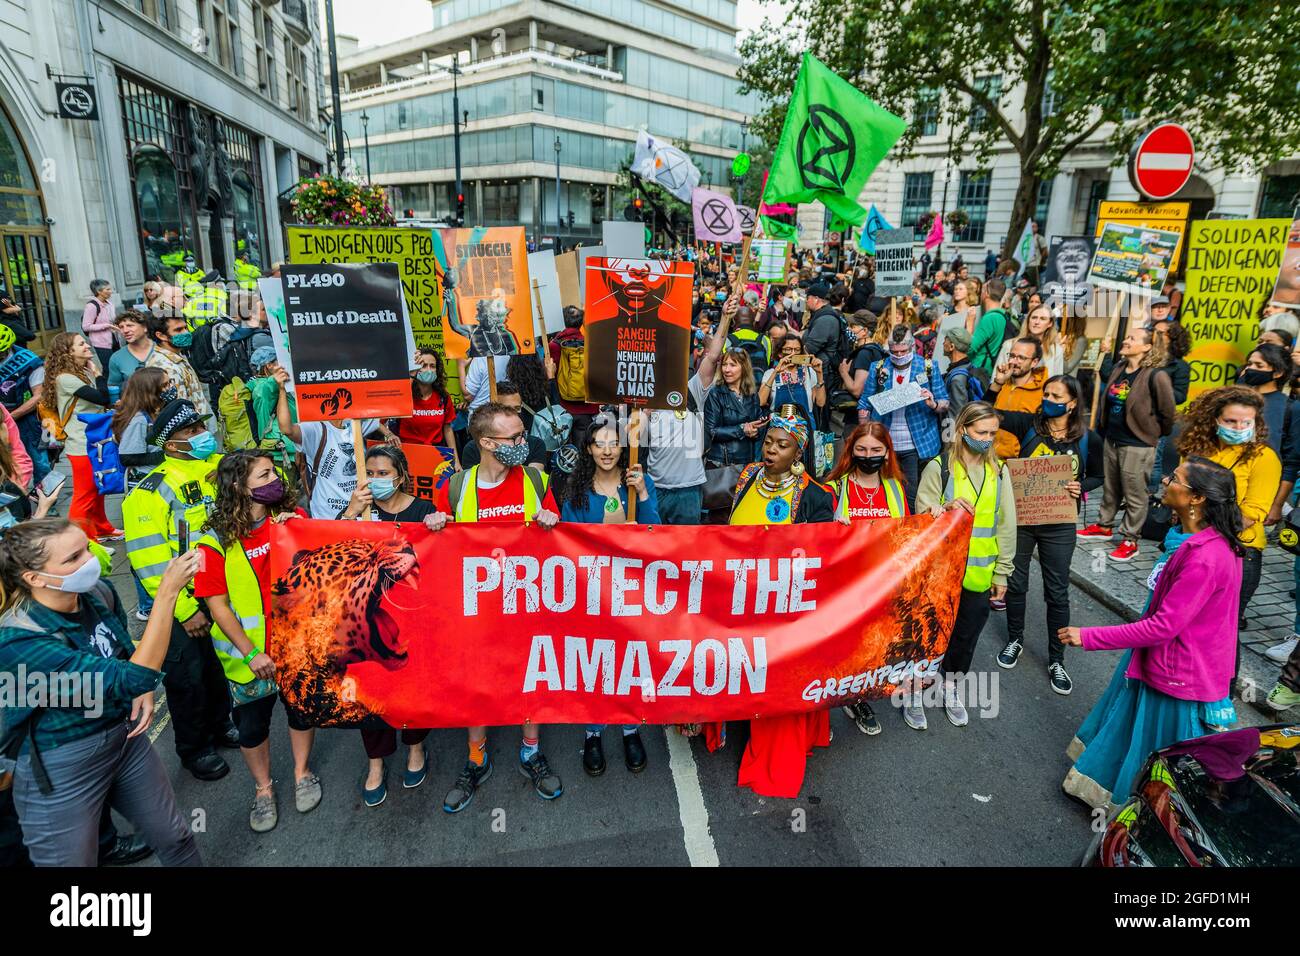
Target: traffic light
column 460, row 209
column 632, row 213
column 570, row 218
column 408, row 213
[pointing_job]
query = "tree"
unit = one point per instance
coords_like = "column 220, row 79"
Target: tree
column 1224, row 69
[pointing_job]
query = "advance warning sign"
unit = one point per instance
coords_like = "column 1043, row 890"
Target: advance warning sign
column 347, row 333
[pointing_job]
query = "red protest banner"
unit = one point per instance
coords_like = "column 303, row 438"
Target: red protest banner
column 496, row 624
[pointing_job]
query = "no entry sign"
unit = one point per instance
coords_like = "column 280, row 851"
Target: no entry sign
column 1161, row 161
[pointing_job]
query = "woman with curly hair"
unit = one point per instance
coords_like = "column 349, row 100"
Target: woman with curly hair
column 71, row 368
column 1226, row 425
column 235, row 581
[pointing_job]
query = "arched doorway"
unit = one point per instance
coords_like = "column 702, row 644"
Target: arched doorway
column 27, row 265
column 1199, row 195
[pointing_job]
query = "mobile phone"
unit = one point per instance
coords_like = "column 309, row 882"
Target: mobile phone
column 51, row 484
column 183, row 535
column 803, row 358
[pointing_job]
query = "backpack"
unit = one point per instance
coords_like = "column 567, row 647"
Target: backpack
column 56, row 422
column 1009, row 331
column 233, row 361
column 976, row 385
column 235, row 406
column 551, row 426
column 571, row 376
column 101, row 449
column 754, row 348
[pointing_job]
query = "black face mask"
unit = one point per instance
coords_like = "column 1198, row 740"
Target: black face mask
column 1253, row 377
column 869, row 464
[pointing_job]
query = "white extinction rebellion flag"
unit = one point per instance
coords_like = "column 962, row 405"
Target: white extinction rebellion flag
column 660, row 162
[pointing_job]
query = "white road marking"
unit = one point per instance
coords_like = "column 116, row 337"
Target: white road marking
column 690, row 801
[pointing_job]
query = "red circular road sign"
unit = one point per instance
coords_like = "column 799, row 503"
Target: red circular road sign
column 1161, row 161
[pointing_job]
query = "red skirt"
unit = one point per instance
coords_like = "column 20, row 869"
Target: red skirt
column 774, row 760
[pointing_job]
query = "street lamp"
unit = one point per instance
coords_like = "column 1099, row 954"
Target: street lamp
column 365, row 131
column 559, row 226
column 455, row 124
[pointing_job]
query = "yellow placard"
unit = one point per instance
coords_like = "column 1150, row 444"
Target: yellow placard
column 1231, row 267
column 1169, row 216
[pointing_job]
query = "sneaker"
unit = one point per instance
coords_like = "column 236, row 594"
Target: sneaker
column 1127, row 551
column 865, row 718
column 1282, row 697
column 264, row 816
column 471, row 777
column 1061, row 682
column 117, row 534
column 1094, row 531
column 1279, row 653
column 997, row 604
column 913, row 712
column 952, row 706
column 1010, row 655
column 307, row 793
column 141, row 615
column 545, row 781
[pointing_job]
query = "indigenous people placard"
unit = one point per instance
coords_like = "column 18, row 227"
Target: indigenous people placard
column 1065, row 277
column 1232, row 265
column 638, row 330
column 1165, row 216
column 411, row 249
column 488, row 307
column 894, row 268
column 1132, row 257
column 769, row 261
column 1286, row 291
column 496, row 624
column 348, row 335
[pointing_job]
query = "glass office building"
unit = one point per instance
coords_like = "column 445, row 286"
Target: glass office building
column 534, row 75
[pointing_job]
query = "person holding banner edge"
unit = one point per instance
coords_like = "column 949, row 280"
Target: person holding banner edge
column 500, row 488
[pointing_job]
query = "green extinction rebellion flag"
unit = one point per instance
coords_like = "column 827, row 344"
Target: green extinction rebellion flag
column 834, row 136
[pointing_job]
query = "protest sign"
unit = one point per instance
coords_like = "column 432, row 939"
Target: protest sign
column 626, row 240
column 1065, row 277
column 431, row 466
column 1165, row 216
column 488, row 309
column 1286, row 291
column 1232, row 265
column 348, row 338
column 715, row 217
column 894, row 262
column 637, row 324
column 768, row 261
column 1132, row 257
column 566, row 267
column 1039, row 485
column 494, row 624
column 411, row 249
column 584, row 254
column 900, row 396
column 272, row 293
column 748, row 217
column 548, row 310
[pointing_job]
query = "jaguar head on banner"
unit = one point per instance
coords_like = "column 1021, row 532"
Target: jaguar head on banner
column 331, row 599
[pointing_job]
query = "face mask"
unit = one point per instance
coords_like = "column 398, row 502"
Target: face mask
column 7, row 519
column 81, row 580
column 869, row 464
column 182, row 340
column 271, row 493
column 427, row 376
column 1236, row 436
column 202, row 446
column 511, row 455
column 1252, row 377
column 902, row 361
column 382, row 488
column 721, row 297
column 1054, row 409
column 976, row 445
column 169, row 394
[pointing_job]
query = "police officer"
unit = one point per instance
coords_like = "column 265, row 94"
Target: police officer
column 208, row 302
column 246, row 274
column 181, row 489
column 189, row 277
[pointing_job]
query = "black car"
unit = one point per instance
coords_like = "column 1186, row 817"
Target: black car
column 1229, row 799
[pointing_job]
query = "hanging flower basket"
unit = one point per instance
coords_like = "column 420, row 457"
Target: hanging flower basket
column 340, row 201
column 958, row 219
column 927, row 218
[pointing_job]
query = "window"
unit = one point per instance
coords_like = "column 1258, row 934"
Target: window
column 1280, row 197
column 917, row 191
column 500, row 203
column 160, row 12
column 1097, row 193
column 225, row 28
column 296, row 80
column 992, row 86
column 926, row 112
column 248, row 202
column 973, row 199
column 1049, row 97
column 1044, row 200
column 264, row 40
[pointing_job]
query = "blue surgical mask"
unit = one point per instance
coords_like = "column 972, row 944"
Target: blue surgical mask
column 1236, row 436
column 1054, row 409
column 202, row 446
column 511, row 455
column 182, row 340
column 977, row 445
column 902, row 361
column 720, row 297
column 427, row 376
column 382, row 488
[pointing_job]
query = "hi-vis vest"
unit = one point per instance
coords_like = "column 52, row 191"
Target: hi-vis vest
column 245, row 595
column 247, row 274
column 177, row 488
column 462, row 494
column 191, row 283
column 893, row 497
column 205, row 306
column 983, row 553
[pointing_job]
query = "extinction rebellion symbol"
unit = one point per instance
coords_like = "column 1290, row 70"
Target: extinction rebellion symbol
column 716, row 217
column 826, row 149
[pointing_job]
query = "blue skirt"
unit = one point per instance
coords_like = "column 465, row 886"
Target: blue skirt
column 1128, row 722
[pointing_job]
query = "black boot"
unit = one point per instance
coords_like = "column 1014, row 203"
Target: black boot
column 593, row 756
column 634, row 751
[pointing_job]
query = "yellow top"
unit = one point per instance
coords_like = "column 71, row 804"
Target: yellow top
column 753, row 508
column 1257, row 483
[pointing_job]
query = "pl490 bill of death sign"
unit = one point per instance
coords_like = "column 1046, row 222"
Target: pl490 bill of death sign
column 347, row 332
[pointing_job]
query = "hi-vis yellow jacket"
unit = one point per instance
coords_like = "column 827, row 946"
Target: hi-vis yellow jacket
column 245, row 596
column 177, row 488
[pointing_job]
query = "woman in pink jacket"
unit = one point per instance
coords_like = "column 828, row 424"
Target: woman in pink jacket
column 1183, row 648
column 97, row 321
